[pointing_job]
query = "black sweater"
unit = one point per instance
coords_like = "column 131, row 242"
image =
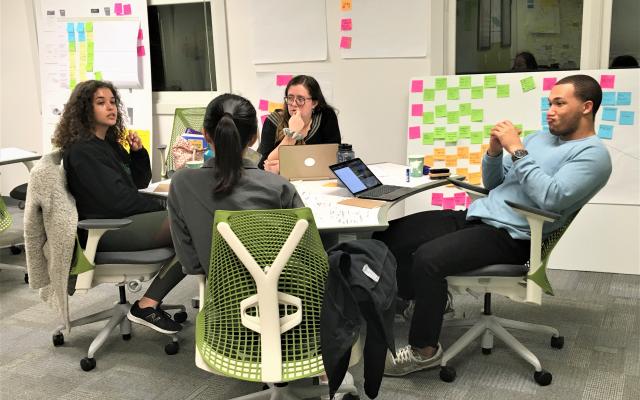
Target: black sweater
column 104, row 179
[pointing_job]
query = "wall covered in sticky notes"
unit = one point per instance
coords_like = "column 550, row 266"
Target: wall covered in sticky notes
column 459, row 111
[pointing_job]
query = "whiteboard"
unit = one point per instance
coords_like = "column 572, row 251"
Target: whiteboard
column 450, row 118
column 384, row 29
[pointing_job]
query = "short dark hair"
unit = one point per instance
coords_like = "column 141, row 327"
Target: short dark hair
column 625, row 61
column 586, row 89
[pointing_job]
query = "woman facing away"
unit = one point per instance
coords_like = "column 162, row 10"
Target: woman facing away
column 104, row 180
column 306, row 119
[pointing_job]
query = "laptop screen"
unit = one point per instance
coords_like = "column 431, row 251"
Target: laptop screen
column 355, row 175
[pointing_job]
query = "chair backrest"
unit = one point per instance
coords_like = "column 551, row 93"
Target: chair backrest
column 260, row 318
column 184, row 118
column 5, row 217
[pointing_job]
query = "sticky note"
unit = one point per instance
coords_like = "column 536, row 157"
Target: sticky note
column 464, row 131
column 484, row 147
column 436, row 199
column 428, row 117
column 465, row 109
column 263, row 105
column 263, row 118
column 89, row 65
column 527, row 133
column 282, row 80
column 544, row 103
column 503, row 91
column 451, row 160
column 139, row 33
column 490, row 81
column 427, row 138
column 441, row 111
column 345, row 5
column 464, row 82
column 448, row 203
column 72, row 47
column 453, row 93
column 439, row 133
column 476, row 137
column 117, row 8
column 428, row 95
column 438, row 154
column 453, row 117
column 345, row 42
column 477, row 92
column 345, row 24
column 609, row 114
column 71, row 37
column 141, row 51
column 460, row 198
column 98, row 75
column 487, row 130
column 81, row 37
column 624, row 99
column 477, row 115
column 605, row 132
column 607, row 81
column 414, row 132
column 475, row 178
column 126, row 9
column 441, row 83
column 626, row 117
column 528, row 84
column 416, row 86
column 463, row 152
column 609, row 99
column 518, row 127
column 70, row 27
column 451, row 137
column 462, row 171
column 548, row 83
column 90, row 47
column 275, row 106
column 416, row 110
column 428, row 160
column 80, row 27
column 475, row 157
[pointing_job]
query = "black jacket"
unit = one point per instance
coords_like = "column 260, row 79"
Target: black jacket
column 361, row 288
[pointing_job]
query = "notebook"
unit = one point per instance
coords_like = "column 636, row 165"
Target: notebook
column 362, row 183
column 308, row 162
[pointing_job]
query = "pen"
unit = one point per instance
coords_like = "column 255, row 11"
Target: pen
column 407, row 174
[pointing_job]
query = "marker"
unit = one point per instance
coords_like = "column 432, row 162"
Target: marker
column 407, row 174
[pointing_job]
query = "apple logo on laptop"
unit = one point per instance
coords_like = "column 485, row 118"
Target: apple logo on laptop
column 309, row 162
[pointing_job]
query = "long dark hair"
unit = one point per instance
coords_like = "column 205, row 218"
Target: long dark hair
column 78, row 121
column 231, row 123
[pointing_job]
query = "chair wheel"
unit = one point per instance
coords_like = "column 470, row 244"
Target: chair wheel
column 486, row 352
column 26, row 278
column 350, row 396
column 447, row 374
column 15, row 250
column 87, row 364
column 172, row 348
column 58, row 339
column 180, row 317
column 126, row 336
column 557, row 342
column 542, row 378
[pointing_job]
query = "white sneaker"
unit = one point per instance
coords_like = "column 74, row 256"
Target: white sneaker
column 408, row 361
column 449, row 312
column 348, row 380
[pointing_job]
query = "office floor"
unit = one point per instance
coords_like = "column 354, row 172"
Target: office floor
column 599, row 315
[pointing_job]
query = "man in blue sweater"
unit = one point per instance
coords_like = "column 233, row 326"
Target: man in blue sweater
column 558, row 171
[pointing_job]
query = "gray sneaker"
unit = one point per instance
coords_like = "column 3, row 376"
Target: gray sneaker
column 408, row 361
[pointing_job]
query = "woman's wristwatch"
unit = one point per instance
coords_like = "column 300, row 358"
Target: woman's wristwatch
column 295, row 135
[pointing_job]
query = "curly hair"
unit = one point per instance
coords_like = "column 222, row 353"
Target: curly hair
column 78, row 121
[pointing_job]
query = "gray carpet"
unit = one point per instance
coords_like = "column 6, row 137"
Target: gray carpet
column 599, row 315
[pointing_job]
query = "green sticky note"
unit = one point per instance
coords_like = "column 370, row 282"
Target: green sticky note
column 476, row 137
column 477, row 92
column 88, row 26
column 72, row 83
column 453, row 93
column 427, row 138
column 464, row 131
column 451, row 137
column 527, row 133
column 428, row 95
column 428, row 118
column 453, row 117
column 90, row 65
column 519, row 127
column 503, row 91
column 490, row 81
column 465, row 82
column 528, row 84
column 487, row 130
column 90, row 58
column 72, row 47
column 97, row 75
column 441, row 111
column 465, row 109
column 441, row 83
column 90, row 46
column 439, row 133
column 477, row 115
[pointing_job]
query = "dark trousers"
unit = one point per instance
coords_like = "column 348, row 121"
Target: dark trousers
column 432, row 245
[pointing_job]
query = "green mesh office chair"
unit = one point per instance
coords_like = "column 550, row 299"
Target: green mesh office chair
column 183, row 118
column 521, row 283
column 259, row 318
column 5, row 217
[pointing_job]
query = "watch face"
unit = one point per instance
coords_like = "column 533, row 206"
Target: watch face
column 519, row 153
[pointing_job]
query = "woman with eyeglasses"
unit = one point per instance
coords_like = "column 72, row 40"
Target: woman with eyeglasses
column 306, row 119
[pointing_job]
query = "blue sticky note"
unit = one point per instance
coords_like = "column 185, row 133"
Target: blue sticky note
column 81, row 36
column 70, row 27
column 605, row 132
column 71, row 37
column 609, row 98
column 624, row 99
column 626, row 117
column 80, row 27
column 609, row 114
column 543, row 118
column 544, row 103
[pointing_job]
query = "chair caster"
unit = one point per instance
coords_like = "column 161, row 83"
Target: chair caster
column 26, row 278
column 172, row 348
column 447, row 374
column 542, row 378
column 180, row 317
column 58, row 339
column 126, row 336
column 15, row 250
column 557, row 342
column 87, row 364
column 486, row 352
column 350, row 396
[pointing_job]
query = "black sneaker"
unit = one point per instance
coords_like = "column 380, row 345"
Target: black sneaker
column 154, row 318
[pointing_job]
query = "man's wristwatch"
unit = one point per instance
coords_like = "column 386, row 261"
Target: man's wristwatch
column 518, row 154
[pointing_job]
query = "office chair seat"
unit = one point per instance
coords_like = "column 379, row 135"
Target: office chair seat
column 19, row 192
column 153, row 256
column 507, row 270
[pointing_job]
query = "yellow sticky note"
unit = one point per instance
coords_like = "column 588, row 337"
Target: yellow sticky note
column 484, row 147
column 462, row 171
column 475, row 178
column 475, row 157
column 463, row 152
column 345, row 5
column 428, row 160
column 275, row 106
column 438, row 154
column 145, row 138
column 451, row 160
column 331, row 184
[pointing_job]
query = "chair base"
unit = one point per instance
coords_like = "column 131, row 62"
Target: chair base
column 296, row 391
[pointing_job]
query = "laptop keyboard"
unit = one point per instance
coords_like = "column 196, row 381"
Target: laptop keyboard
column 379, row 191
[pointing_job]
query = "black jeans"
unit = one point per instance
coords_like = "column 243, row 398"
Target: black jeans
column 432, row 245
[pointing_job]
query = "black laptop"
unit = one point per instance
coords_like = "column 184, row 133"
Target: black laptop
column 362, row 183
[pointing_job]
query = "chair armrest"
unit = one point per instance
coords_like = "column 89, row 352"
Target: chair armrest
column 547, row 216
column 103, row 223
column 163, row 160
column 161, row 147
column 469, row 187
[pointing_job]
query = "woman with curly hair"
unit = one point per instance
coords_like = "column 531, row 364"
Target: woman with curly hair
column 104, row 180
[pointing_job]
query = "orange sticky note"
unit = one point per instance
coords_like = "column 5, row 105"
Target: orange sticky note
column 451, row 160
column 438, row 154
column 428, row 160
column 345, row 5
column 275, row 106
column 331, row 184
column 462, row 171
column 484, row 147
column 475, row 178
column 475, row 158
column 463, row 152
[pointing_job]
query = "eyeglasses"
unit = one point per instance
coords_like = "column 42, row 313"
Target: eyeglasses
column 298, row 99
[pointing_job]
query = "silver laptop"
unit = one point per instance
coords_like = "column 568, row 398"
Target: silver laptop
column 308, row 162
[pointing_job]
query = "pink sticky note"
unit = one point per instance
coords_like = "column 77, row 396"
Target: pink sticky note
column 467, row 202
column 416, row 110
column 117, row 8
column 263, row 105
column 126, row 9
column 141, row 51
column 460, row 198
column 345, row 24
column 607, row 81
column 436, row 199
column 414, row 132
column 416, row 86
column 448, row 203
column 282, row 80
column 345, row 42
column 263, row 118
column 547, row 83
column 140, row 34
